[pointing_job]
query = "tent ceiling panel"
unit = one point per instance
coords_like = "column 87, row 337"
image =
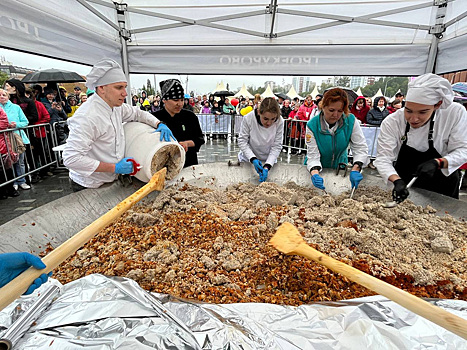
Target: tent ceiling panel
column 280, row 60
column 333, row 36
column 48, row 29
column 452, row 55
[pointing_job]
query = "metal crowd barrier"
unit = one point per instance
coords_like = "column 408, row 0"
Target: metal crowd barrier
column 224, row 125
column 294, row 137
column 37, row 156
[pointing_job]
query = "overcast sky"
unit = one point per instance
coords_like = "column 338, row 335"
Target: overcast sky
column 198, row 83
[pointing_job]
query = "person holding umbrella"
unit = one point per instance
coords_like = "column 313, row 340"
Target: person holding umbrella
column 426, row 139
column 94, row 152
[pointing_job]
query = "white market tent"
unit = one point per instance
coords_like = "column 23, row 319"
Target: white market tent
column 293, row 93
column 314, row 92
column 280, row 37
column 244, row 92
column 378, row 93
column 359, row 92
column 268, row 92
column 220, row 87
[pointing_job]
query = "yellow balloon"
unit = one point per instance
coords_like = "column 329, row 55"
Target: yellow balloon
column 246, row 110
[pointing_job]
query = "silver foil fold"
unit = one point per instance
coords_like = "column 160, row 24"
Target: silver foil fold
column 99, row 312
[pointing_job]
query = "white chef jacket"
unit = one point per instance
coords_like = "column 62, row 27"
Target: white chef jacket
column 449, row 139
column 357, row 145
column 254, row 140
column 96, row 135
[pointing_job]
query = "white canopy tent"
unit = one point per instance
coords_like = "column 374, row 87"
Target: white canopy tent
column 268, row 92
column 293, row 93
column 244, row 92
column 288, row 37
column 220, row 87
column 378, row 93
column 314, row 92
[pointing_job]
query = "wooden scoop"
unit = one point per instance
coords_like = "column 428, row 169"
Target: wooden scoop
column 289, row 241
column 20, row 284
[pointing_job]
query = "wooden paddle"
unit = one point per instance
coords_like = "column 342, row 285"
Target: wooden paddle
column 20, row 284
column 289, row 241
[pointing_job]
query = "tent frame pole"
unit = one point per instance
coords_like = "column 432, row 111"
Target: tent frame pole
column 436, row 31
column 125, row 36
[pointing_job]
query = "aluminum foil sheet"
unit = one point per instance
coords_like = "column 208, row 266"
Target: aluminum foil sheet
column 99, row 312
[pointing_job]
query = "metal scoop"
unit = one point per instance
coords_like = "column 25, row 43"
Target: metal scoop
column 394, row 203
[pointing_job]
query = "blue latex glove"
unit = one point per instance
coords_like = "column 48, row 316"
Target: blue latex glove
column 355, row 178
column 13, row 264
column 263, row 177
column 258, row 166
column 318, row 181
column 166, row 133
column 124, row 166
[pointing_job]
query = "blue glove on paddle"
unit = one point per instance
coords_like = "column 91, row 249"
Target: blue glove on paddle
column 318, row 181
column 166, row 133
column 13, row 264
column 355, row 178
column 264, row 176
column 258, row 166
column 124, row 166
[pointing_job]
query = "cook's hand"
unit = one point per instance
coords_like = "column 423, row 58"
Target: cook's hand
column 124, row 166
column 184, row 144
column 318, row 181
column 166, row 133
column 258, row 166
column 427, row 169
column 263, row 177
column 400, row 191
column 13, row 264
column 355, row 178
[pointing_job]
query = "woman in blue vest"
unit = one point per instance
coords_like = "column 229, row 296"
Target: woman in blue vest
column 329, row 136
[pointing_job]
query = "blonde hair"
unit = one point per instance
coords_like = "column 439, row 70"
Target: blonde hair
column 257, row 98
column 6, row 92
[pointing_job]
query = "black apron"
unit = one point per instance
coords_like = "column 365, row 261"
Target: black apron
column 409, row 159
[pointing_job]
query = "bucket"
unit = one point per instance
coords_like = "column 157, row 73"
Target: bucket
column 144, row 145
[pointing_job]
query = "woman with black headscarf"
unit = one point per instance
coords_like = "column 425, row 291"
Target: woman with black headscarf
column 184, row 124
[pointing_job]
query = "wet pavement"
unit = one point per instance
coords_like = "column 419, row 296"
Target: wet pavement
column 57, row 186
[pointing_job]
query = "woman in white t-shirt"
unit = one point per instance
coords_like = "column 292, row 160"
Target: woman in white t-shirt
column 260, row 138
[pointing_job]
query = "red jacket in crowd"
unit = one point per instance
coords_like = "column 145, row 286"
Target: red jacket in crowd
column 44, row 118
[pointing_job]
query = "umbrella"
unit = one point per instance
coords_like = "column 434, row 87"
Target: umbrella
column 52, row 75
column 352, row 95
column 461, row 88
column 281, row 95
column 223, row 93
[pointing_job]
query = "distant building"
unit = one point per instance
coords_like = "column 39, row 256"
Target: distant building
column 301, row 84
column 13, row 71
column 355, row 82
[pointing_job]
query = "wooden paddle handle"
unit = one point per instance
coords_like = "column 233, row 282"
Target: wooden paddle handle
column 419, row 306
column 11, row 291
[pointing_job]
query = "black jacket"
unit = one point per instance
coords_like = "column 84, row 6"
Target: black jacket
column 184, row 126
column 375, row 116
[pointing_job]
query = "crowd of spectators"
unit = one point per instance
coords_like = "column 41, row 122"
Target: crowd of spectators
column 52, row 105
column 39, row 114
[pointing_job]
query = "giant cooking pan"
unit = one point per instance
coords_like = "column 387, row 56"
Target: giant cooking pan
column 57, row 221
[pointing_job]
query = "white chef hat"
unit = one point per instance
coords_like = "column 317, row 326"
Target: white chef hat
column 104, row 72
column 429, row 89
